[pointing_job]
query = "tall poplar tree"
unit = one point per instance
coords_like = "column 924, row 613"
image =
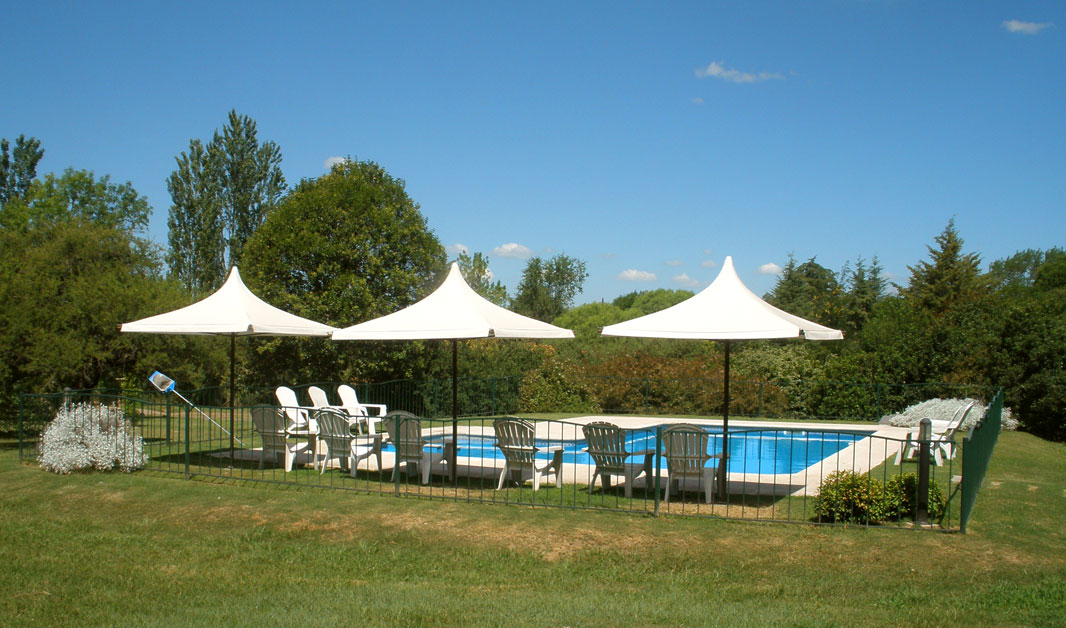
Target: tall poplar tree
column 221, row 193
column 18, row 168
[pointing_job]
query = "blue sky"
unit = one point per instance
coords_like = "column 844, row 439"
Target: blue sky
column 648, row 139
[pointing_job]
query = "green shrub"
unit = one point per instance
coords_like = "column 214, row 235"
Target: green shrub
column 554, row 387
column 899, row 499
column 849, row 497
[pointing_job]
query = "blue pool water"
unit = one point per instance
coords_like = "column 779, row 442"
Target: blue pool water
column 750, row 451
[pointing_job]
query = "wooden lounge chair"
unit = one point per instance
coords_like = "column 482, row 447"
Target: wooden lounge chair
column 607, row 447
column 515, row 438
column 270, row 423
column 685, row 450
column 405, row 434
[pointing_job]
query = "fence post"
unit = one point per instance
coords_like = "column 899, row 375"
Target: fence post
column 187, row 454
column 925, row 429
column 22, row 397
column 658, row 462
column 396, row 457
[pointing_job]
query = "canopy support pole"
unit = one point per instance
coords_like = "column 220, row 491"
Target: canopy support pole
column 455, row 411
column 725, row 433
column 232, row 388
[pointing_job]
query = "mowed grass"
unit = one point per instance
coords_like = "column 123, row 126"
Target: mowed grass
column 152, row 550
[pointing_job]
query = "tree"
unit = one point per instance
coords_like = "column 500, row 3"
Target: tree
column 548, row 288
column 809, row 290
column 948, row 277
column 78, row 194
column 341, row 249
column 19, row 168
column 865, row 287
column 221, row 193
column 477, row 274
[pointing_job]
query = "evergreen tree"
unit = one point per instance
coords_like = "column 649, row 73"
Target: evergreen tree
column 949, row 276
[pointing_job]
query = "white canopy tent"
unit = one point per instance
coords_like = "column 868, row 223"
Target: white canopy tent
column 233, row 310
column 725, row 310
column 452, row 312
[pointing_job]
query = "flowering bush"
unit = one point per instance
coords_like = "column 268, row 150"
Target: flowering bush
column 90, row 436
column 944, row 410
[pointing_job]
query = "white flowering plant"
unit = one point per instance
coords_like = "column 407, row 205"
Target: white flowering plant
column 90, row 436
column 944, row 410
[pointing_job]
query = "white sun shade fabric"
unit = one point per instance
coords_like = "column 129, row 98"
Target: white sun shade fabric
column 724, row 310
column 231, row 310
column 452, row 311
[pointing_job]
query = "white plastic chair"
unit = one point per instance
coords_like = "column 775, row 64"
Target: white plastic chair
column 290, row 405
column 351, row 405
column 607, row 448
column 941, row 441
column 516, row 439
column 405, row 433
column 685, row 450
column 270, row 423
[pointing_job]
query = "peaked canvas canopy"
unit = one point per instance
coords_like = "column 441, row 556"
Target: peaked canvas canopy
column 233, row 310
column 452, row 312
column 725, row 310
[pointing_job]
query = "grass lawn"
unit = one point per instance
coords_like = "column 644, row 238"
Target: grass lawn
column 147, row 549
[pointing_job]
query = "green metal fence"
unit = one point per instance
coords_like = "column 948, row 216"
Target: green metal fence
column 977, row 453
column 197, row 443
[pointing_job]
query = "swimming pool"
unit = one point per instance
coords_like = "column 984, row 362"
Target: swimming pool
column 763, row 451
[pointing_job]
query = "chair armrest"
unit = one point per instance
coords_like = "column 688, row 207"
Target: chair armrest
column 379, row 406
column 642, row 452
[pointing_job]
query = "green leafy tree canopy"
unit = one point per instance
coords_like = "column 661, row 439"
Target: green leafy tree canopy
column 548, row 288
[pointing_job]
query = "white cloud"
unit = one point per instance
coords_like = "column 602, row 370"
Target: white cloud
column 512, row 250
column 1026, row 28
column 684, row 280
column 675, row 262
column 709, row 263
column 636, row 275
column 719, row 71
column 333, row 161
column 608, row 256
column 769, row 269
column 697, row 100
column 457, row 249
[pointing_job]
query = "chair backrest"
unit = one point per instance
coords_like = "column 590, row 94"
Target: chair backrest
column 270, row 423
column 291, row 406
column 606, row 445
column 350, row 401
column 333, row 430
column 957, row 421
column 516, row 439
column 405, row 432
column 685, row 449
column 318, row 397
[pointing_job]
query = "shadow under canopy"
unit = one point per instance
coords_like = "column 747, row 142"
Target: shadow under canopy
column 454, row 311
column 725, row 310
column 232, row 310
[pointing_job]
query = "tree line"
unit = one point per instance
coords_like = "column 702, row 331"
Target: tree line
column 351, row 245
